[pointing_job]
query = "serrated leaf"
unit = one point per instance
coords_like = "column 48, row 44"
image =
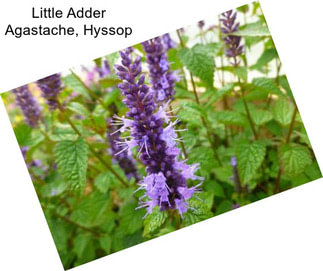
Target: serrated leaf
column 267, row 56
column 130, row 217
column 218, row 94
column 196, row 212
column 241, row 72
column 63, row 132
column 81, row 241
column 103, row 181
column 89, row 212
column 71, row 160
column 282, row 111
column 154, row 221
column 260, row 116
column 266, row 84
column 256, row 29
column 231, row 118
column 78, row 108
column 106, row 243
column 294, row 158
column 250, row 156
column 199, row 61
column 72, row 82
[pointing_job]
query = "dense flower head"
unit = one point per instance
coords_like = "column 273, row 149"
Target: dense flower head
column 124, row 159
column 229, row 26
column 28, row 105
column 50, row 87
column 168, row 42
column 154, row 136
column 201, row 24
column 162, row 79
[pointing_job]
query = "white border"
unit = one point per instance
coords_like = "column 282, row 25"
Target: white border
column 283, row 232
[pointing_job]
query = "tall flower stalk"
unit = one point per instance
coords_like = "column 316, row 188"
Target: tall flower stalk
column 155, row 138
column 229, row 26
column 28, row 105
column 161, row 77
column 124, row 159
column 50, row 87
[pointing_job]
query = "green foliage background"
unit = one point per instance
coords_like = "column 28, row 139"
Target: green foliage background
column 247, row 112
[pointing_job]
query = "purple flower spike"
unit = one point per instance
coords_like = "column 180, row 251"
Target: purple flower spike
column 201, row 24
column 232, row 42
column 162, row 79
column 28, row 105
column 153, row 134
column 168, row 42
column 124, row 159
column 50, row 87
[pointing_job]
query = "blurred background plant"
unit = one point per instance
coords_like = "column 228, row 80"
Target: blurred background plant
column 238, row 121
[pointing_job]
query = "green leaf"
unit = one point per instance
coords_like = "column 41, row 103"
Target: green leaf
column 197, row 212
column 106, row 243
column 103, row 181
column 23, row 134
column 175, row 63
column 81, row 241
column 250, row 156
column 90, row 211
column 283, row 111
column 294, row 158
column 110, row 81
column 241, row 72
column 256, row 29
column 130, row 217
column 218, row 94
column 200, row 61
column 72, row 82
column 267, row 56
column 78, row 108
column 266, row 84
column 223, row 207
column 154, row 221
column 260, row 116
column 231, row 118
column 71, row 159
column 63, row 132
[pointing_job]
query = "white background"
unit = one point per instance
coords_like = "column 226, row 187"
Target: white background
column 283, row 232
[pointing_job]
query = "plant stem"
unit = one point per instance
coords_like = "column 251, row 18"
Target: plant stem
column 97, row 155
column 252, row 125
column 204, row 122
column 290, row 130
column 287, row 140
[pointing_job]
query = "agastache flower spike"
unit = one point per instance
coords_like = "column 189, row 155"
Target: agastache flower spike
column 28, row 105
column 229, row 26
column 168, row 42
column 162, row 79
column 124, row 159
column 50, row 87
column 166, row 182
column 235, row 177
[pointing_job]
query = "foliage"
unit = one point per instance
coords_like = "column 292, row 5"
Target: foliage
column 240, row 123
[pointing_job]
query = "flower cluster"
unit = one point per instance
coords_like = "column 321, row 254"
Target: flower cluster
column 33, row 163
column 166, row 182
column 161, row 78
column 230, row 26
column 235, row 177
column 201, row 24
column 124, row 159
column 168, row 42
column 28, row 104
column 50, row 87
